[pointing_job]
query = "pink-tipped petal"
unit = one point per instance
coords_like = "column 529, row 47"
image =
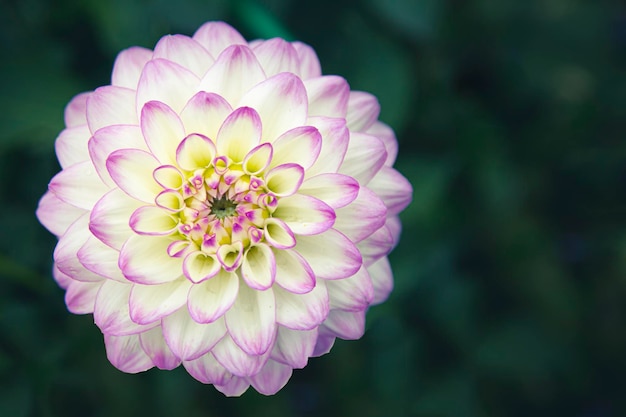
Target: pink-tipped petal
column 111, row 310
column 153, row 302
column 271, row 378
column 365, row 157
column 235, row 360
column 302, row 311
column 163, row 131
column 240, row 133
column 301, row 145
column 388, row 138
column 294, row 347
column 126, row 354
column 382, row 278
column 354, row 293
column 324, row 343
column 184, row 51
column 365, row 215
column 195, row 152
column 154, row 345
column 251, row 321
column 198, row 266
column 281, row 101
column 205, row 113
column 188, row 339
column 258, row 159
column 363, row 110
column 111, row 105
column 277, row 55
column 293, row 273
column 167, row 82
column 78, row 185
column 80, row 297
column 71, row 145
column 347, row 325
column 235, row 71
column 128, row 66
column 132, row 169
column 393, row 188
column 376, row 245
column 153, row 221
column 328, row 96
column 335, row 139
column 235, row 387
column 278, row 234
column 331, row 254
column 217, row 36
column 109, row 218
column 336, row 190
column 305, row 215
column 100, row 259
column 210, row 299
column 65, row 256
column 75, row 111
column 258, row 267
column 207, row 369
column 309, row 63
column 55, row 214
column 144, row 260
column 284, row 180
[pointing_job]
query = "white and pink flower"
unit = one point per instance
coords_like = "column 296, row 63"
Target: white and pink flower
column 224, row 206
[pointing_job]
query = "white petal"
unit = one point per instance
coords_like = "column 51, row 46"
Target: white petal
column 126, row 354
column 365, row 215
column 151, row 220
column 235, row 387
column 152, row 302
column 294, row 347
column 185, row 52
column 109, row 218
column 335, row 139
column 393, row 188
column 305, row 215
column 354, row 293
column 217, row 36
column 258, row 267
column 167, row 82
column 251, row 321
column 240, row 133
column 277, row 55
column 210, row 299
column 324, row 344
column 336, row 190
column 365, row 157
column 76, row 110
column 284, row 180
column 348, row 325
column 207, row 369
column 132, row 170
column 78, row 185
column 302, row 311
column 100, row 259
column 71, row 145
column 328, row 96
column 111, row 105
column 128, row 66
column 388, row 138
column 235, row 71
column 65, row 253
column 154, row 345
column 278, row 234
column 163, row 131
column 363, row 110
column 111, row 311
column 55, row 214
column 331, row 254
column 198, row 266
column 205, row 113
column 271, row 378
column 293, row 273
column 235, row 360
column 309, row 63
column 382, row 278
column 144, row 260
column 80, row 297
column 376, row 245
column 281, row 101
column 300, row 145
column 188, row 339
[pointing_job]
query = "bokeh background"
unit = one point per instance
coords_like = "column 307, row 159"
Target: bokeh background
column 510, row 295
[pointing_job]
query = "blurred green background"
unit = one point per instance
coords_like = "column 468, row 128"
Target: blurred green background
column 510, row 295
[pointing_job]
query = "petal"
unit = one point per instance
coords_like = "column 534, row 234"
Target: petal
column 235, row 71
column 294, row 347
column 293, row 273
column 169, row 177
column 376, row 245
column 348, row 325
column 126, row 354
column 331, row 254
column 235, row 360
column 258, row 267
column 198, row 266
column 281, row 102
column 302, row 311
column 152, row 302
column 354, row 293
column 309, row 63
column 305, row 215
column 365, row 157
column 78, row 185
column 382, row 278
column 150, row 220
column 217, row 36
column 111, row 105
column 109, row 218
column 388, row 138
column 335, row 140
column 284, row 180
column 100, row 259
column 251, row 321
column 71, row 145
column 278, row 234
column 65, row 256
column 188, row 339
column 128, row 66
column 205, row 113
column 365, row 215
column 111, row 310
column 210, row 299
column 154, row 345
column 184, row 51
column 258, row 159
column 76, row 110
column 324, row 344
column 336, row 190
column 61, row 279
column 207, row 369
column 277, row 55
column 271, row 378
column 363, row 110
column 167, row 82
column 132, row 169
column 195, row 152
column 109, row 139
column 393, row 189
column 144, row 260
column 163, row 131
column 301, row 145
column 235, row 387
column 55, row 214
column 80, row 297
column 328, row 96
column 240, row 133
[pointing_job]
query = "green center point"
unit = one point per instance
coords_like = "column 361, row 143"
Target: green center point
column 223, row 207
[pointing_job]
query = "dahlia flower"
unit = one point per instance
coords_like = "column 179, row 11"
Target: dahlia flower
column 224, row 206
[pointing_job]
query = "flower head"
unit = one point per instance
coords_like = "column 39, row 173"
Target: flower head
column 224, row 206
